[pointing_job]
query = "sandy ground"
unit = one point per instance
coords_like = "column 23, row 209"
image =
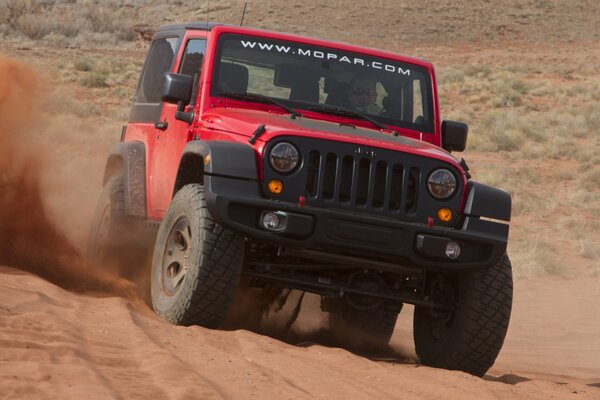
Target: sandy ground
column 56, row 344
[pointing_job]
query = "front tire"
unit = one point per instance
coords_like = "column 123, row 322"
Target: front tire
column 470, row 337
column 197, row 263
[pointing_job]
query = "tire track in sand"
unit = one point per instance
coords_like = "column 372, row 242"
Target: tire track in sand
column 142, row 367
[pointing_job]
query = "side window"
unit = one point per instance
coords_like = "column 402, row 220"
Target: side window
column 192, row 57
column 417, row 114
column 160, row 60
column 191, row 64
column 381, row 94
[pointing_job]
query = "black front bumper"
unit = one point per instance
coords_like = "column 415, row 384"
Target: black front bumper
column 238, row 205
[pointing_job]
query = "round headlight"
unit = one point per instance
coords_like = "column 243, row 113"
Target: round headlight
column 441, row 183
column 284, row 157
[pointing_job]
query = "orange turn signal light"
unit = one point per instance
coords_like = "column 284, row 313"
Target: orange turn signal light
column 275, row 186
column 444, row 214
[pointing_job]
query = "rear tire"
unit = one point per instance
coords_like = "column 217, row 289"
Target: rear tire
column 197, row 263
column 367, row 329
column 469, row 338
column 109, row 224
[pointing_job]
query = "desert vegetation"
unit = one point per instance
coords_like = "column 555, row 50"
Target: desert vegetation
column 67, row 21
column 540, row 126
column 531, row 103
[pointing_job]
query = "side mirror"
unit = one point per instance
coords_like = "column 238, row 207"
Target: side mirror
column 454, row 135
column 177, row 89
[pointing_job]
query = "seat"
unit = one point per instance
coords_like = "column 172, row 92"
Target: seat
column 302, row 81
column 337, row 93
column 392, row 106
column 232, row 78
column 305, row 90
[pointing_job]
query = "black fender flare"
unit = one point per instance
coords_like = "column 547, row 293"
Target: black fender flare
column 129, row 160
column 201, row 157
column 485, row 203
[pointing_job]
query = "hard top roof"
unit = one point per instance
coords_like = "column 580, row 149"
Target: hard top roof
column 207, row 26
column 204, row 26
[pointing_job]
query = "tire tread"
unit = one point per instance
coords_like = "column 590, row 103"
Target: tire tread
column 480, row 334
column 215, row 281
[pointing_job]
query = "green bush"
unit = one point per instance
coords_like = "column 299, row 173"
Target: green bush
column 82, row 65
column 94, row 80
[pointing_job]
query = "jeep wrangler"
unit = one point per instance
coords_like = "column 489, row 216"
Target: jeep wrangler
column 312, row 165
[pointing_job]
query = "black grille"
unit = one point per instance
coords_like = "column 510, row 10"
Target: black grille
column 351, row 178
column 362, row 182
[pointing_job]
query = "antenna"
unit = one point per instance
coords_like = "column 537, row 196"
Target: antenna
column 243, row 13
column 207, row 9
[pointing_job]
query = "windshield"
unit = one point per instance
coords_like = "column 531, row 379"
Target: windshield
column 304, row 76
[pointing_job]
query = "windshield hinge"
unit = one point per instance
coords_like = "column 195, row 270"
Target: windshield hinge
column 257, row 133
column 465, row 167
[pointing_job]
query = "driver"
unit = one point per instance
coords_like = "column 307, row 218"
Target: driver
column 363, row 95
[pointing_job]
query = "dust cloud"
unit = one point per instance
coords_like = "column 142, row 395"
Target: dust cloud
column 32, row 236
column 30, row 239
column 296, row 318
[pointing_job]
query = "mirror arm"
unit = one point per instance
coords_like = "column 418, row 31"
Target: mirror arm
column 182, row 115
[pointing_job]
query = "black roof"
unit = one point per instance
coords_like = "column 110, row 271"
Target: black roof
column 179, row 29
column 203, row 26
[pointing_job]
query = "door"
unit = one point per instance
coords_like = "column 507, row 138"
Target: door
column 172, row 134
column 147, row 105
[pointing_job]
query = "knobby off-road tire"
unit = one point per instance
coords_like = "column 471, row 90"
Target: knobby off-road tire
column 117, row 243
column 110, row 225
column 369, row 329
column 197, row 263
column 471, row 337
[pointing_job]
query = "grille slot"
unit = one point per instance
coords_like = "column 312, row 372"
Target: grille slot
column 395, row 187
column 346, row 179
column 413, row 185
column 362, row 184
column 329, row 176
column 314, row 159
column 379, row 184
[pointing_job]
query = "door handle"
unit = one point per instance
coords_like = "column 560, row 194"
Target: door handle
column 162, row 125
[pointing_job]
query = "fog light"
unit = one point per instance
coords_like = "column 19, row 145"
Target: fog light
column 275, row 186
column 452, row 250
column 444, row 214
column 271, row 221
column 274, row 221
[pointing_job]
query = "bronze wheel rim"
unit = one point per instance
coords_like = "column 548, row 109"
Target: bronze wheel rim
column 176, row 255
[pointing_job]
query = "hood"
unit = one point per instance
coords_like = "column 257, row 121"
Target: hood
column 245, row 121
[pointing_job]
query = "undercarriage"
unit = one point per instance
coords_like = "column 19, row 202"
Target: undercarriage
column 363, row 284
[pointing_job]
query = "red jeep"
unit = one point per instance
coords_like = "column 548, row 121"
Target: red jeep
column 311, row 165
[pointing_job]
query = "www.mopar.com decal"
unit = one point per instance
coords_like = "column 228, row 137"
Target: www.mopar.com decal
column 326, row 55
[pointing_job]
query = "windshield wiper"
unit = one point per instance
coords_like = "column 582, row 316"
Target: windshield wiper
column 259, row 98
column 344, row 112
